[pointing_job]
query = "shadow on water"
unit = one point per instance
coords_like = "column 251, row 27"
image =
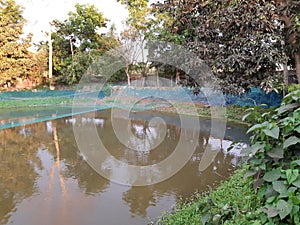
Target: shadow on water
column 45, row 179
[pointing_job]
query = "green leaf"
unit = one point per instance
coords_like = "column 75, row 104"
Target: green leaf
column 296, row 162
column 216, row 219
column 276, row 153
column 200, row 206
column 297, row 129
column 291, row 175
column 255, row 127
column 252, row 149
column 284, row 208
column 287, row 107
column 291, row 141
column 297, row 183
column 295, row 211
column 272, row 175
column 287, row 193
column 292, row 189
column 271, row 199
column 246, row 116
column 296, row 219
column 269, row 191
column 295, row 200
column 250, row 173
column 271, row 211
column 274, row 132
column 205, row 218
column 280, row 187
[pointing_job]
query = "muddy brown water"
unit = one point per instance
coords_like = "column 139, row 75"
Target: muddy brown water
column 45, row 179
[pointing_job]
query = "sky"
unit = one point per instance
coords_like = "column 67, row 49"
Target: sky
column 39, row 13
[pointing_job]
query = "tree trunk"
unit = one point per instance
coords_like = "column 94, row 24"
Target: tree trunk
column 292, row 36
column 128, row 79
column 128, row 76
column 177, row 77
column 297, row 59
column 285, row 78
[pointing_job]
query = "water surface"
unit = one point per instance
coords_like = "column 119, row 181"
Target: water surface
column 45, row 179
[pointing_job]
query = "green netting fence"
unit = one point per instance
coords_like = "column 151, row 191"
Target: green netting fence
column 24, row 107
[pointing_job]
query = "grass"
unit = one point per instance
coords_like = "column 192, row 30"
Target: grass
column 232, row 113
column 233, row 202
column 35, row 102
column 113, row 101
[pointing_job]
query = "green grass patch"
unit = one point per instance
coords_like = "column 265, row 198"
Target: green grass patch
column 233, row 114
column 113, row 101
column 35, row 102
column 233, row 202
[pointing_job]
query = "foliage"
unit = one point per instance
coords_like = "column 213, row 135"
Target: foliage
column 273, row 168
column 15, row 59
column 40, row 65
column 242, row 41
column 274, row 159
column 77, row 42
column 119, row 76
column 138, row 11
column 133, row 37
column 132, row 52
column 289, row 14
column 293, row 87
column 232, row 202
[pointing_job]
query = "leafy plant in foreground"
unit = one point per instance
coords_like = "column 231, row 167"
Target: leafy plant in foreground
column 274, row 159
column 223, row 205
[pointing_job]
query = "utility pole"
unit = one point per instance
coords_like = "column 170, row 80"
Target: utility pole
column 50, row 54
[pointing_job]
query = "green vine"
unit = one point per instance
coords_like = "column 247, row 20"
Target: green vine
column 274, row 159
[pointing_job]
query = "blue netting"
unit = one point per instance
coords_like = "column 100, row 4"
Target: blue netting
column 17, row 106
column 14, row 95
column 255, row 97
column 169, row 94
column 15, row 116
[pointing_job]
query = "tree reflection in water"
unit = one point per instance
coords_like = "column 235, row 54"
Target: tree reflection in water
column 18, row 160
column 190, row 178
column 56, row 164
column 42, row 162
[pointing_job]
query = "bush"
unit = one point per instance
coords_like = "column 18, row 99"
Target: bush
column 274, row 159
column 293, row 87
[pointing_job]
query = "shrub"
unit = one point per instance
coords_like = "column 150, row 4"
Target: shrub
column 274, row 159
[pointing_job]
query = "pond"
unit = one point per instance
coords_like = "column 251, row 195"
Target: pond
column 46, row 179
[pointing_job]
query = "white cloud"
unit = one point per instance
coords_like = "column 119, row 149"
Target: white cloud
column 40, row 12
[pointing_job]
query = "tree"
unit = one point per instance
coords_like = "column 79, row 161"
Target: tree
column 138, row 13
column 40, row 59
column 133, row 37
column 132, row 52
column 242, row 41
column 15, row 58
column 77, row 42
column 289, row 14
